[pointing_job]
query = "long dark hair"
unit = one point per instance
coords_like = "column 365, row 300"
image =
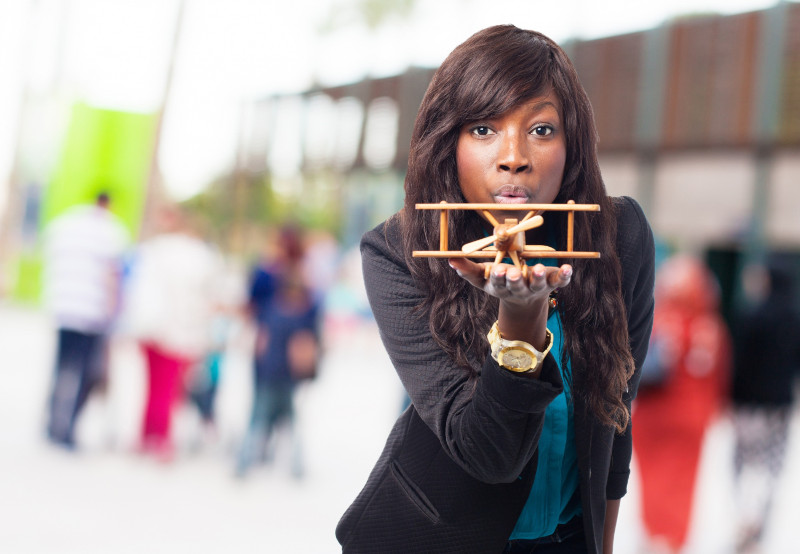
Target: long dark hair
column 494, row 70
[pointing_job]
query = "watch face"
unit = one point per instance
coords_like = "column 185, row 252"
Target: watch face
column 515, row 358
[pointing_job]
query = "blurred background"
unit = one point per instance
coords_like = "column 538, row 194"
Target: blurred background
column 248, row 118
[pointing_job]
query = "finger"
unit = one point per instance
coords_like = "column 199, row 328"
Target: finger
column 516, row 283
column 468, row 270
column 538, row 277
column 560, row 277
column 498, row 279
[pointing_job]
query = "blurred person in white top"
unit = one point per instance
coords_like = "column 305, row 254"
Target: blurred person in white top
column 84, row 249
column 170, row 307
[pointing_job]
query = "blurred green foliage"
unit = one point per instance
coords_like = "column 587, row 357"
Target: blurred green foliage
column 236, row 210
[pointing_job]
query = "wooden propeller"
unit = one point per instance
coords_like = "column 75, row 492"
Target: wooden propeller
column 502, row 233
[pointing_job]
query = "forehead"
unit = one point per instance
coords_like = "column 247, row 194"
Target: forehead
column 545, row 102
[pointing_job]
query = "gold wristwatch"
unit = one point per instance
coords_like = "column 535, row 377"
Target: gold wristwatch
column 516, row 355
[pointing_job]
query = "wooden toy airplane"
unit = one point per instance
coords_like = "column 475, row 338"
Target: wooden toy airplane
column 508, row 240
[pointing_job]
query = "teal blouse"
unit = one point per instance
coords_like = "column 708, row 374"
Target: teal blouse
column 554, row 497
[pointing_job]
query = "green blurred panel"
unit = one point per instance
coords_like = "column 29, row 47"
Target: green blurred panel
column 104, row 150
column 27, row 286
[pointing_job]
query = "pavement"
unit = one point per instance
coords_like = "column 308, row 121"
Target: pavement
column 106, row 498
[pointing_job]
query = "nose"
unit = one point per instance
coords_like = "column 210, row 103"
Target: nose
column 513, row 155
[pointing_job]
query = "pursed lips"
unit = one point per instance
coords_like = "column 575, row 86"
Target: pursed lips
column 512, row 194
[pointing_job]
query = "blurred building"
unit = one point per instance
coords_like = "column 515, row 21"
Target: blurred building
column 699, row 119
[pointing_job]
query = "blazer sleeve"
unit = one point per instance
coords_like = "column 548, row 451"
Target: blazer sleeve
column 636, row 250
column 489, row 424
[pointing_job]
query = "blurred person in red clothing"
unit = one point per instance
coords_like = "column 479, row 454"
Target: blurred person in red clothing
column 171, row 302
column 683, row 387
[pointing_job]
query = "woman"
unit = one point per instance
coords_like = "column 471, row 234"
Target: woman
column 488, row 459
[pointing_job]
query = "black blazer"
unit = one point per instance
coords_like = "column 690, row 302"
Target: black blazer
column 459, row 463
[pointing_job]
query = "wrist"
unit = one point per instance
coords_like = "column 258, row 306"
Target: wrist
column 529, row 326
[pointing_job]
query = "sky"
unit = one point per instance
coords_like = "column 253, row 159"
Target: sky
column 115, row 53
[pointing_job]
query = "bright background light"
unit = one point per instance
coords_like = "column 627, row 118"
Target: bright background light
column 115, row 53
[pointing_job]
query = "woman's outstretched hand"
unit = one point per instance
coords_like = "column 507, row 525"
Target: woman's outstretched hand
column 507, row 283
column 523, row 301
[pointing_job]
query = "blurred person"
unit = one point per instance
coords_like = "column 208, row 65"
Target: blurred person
column 171, row 305
column 681, row 393
column 205, row 377
column 286, row 315
column 84, row 250
column 766, row 363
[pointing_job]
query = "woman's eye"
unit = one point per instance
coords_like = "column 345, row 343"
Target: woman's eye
column 542, row 130
column 481, row 130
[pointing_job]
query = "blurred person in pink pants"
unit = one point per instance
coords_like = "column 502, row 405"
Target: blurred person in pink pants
column 171, row 304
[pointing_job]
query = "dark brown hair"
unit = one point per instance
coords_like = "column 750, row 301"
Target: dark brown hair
column 494, row 70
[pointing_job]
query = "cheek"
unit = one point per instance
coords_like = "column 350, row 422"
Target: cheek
column 466, row 161
column 473, row 161
column 561, row 164
column 557, row 163
column 469, row 172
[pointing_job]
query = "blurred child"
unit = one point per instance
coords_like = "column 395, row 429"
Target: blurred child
column 286, row 315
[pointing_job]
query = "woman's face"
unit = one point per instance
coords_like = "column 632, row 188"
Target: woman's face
column 515, row 158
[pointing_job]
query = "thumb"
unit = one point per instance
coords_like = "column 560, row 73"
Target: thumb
column 468, row 270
